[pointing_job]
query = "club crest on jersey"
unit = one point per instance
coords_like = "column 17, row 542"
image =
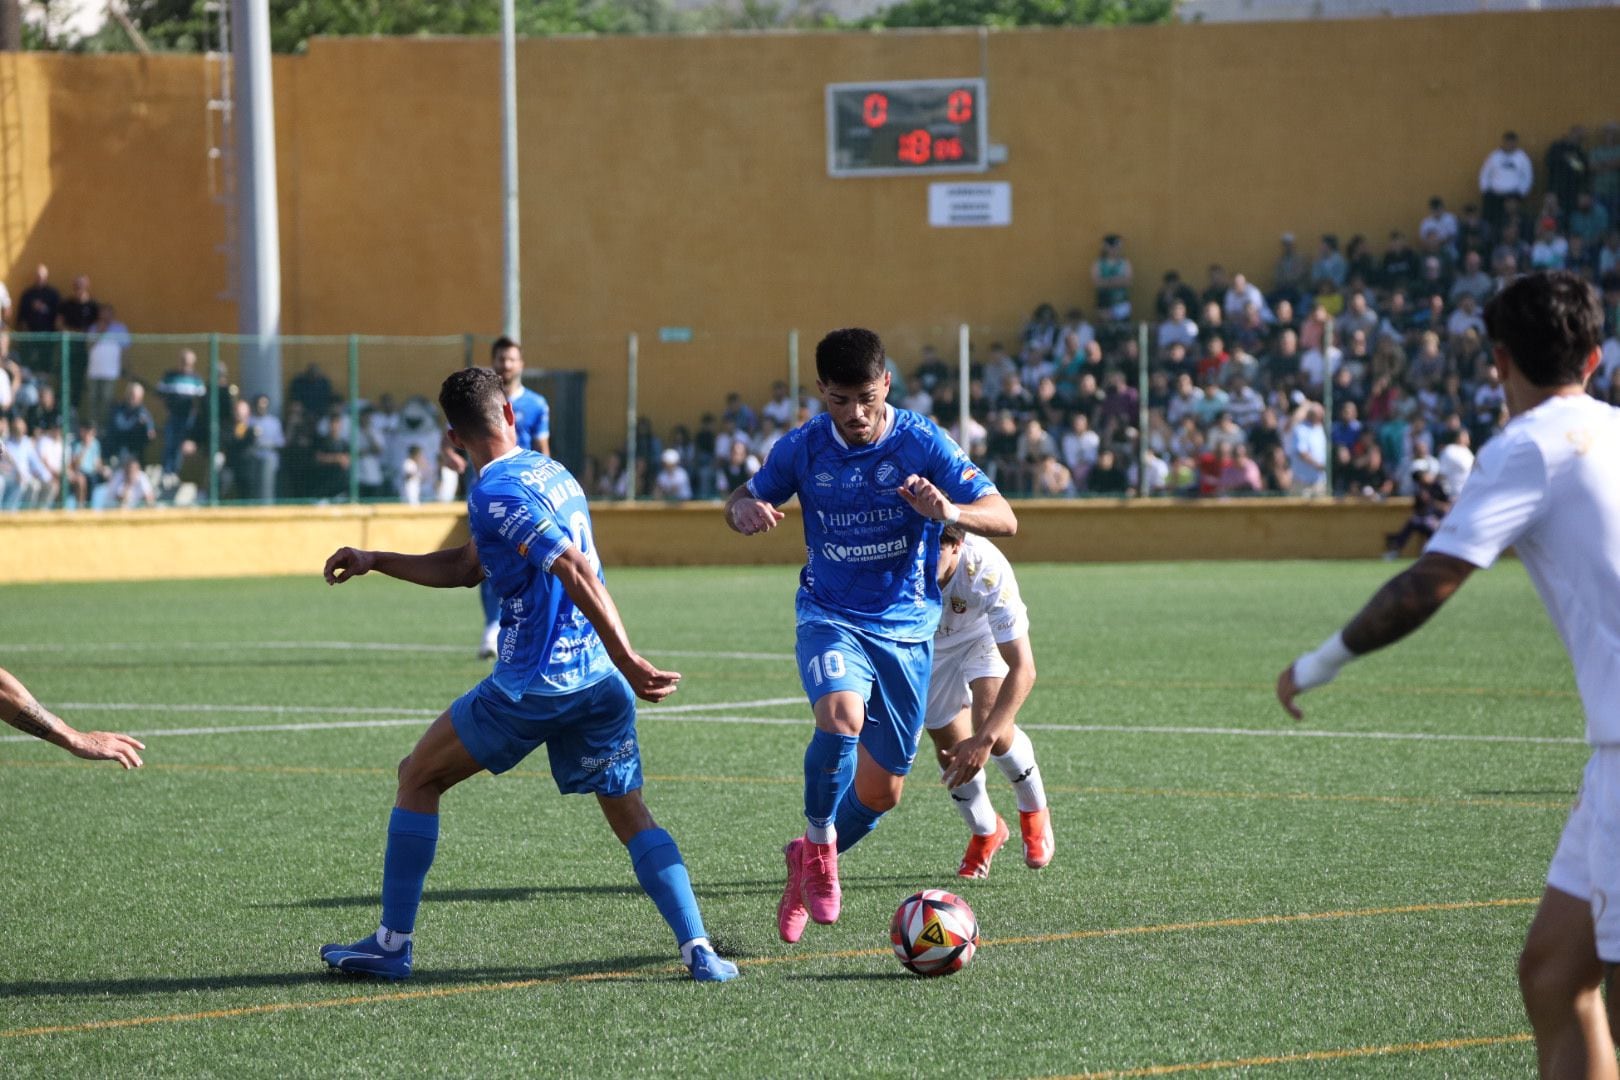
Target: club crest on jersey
column 959, row 605
column 887, row 475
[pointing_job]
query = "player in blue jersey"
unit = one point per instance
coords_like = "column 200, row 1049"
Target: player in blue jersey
column 532, row 416
column 876, row 485
column 565, row 676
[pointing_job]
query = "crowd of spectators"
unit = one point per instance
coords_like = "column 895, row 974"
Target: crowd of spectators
column 1243, row 367
column 1338, row 370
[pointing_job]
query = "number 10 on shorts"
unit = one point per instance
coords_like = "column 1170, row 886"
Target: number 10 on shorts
column 831, row 662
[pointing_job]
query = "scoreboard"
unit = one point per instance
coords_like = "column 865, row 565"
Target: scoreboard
column 901, row 128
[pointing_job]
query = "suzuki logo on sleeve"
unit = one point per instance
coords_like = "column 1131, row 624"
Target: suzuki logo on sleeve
column 497, row 510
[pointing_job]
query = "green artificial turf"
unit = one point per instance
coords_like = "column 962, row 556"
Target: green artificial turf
column 1217, row 895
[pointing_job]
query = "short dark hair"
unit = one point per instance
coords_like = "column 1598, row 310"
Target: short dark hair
column 849, row 357
column 471, row 399
column 953, row 534
column 1549, row 323
column 503, row 342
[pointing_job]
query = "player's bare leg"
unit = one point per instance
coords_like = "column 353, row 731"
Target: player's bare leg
column 437, row 763
column 988, row 832
column 1559, row 976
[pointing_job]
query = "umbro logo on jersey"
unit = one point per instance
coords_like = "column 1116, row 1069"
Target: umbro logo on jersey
column 824, row 479
column 497, row 510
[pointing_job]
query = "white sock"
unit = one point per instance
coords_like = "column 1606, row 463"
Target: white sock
column 392, row 940
column 972, row 801
column 821, row 834
column 688, row 947
column 1018, row 766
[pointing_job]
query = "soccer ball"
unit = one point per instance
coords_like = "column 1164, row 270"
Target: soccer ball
column 934, row 933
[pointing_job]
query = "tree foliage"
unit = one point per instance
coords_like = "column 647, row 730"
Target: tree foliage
column 1011, row 13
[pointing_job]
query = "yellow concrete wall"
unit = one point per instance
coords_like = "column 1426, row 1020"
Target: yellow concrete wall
column 154, row 545
column 681, row 180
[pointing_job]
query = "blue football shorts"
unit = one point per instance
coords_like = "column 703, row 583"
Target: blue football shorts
column 890, row 676
column 589, row 734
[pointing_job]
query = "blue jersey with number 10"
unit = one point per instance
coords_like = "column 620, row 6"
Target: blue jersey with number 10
column 871, row 559
column 525, row 510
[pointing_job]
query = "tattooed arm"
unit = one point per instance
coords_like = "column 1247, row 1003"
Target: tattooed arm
column 1404, row 603
column 19, row 709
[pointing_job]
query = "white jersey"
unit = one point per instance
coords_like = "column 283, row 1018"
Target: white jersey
column 980, row 597
column 1549, row 486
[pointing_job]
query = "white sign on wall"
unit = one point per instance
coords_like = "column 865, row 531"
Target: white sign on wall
column 968, row 205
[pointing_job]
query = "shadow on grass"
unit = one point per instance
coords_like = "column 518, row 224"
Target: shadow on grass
column 607, row 970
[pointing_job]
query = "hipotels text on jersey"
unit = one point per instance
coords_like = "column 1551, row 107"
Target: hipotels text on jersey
column 875, row 516
column 879, row 552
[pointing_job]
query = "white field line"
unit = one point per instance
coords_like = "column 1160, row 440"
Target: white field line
column 714, row 713
column 334, row 646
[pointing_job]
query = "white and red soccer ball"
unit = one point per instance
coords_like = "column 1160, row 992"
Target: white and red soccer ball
column 934, row 933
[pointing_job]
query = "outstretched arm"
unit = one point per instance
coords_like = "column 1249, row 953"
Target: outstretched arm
column 1404, row 603
column 19, row 709
column 586, row 590
column 748, row 515
column 452, row 568
column 968, row 756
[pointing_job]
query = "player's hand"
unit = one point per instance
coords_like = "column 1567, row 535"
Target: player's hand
column 1287, row 691
column 648, row 682
column 965, row 759
column 750, row 516
column 347, row 563
column 922, row 496
column 107, row 746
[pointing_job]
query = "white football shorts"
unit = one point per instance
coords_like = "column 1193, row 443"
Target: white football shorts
column 955, row 666
column 1587, row 862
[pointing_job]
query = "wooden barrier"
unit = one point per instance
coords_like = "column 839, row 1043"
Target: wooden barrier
column 249, row 542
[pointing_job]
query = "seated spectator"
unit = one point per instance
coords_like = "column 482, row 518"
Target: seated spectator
column 1080, row 447
column 1213, row 360
column 1226, row 432
column 1215, row 287
column 1282, row 360
column 86, row 467
column 1473, row 231
column 1001, row 446
column 236, row 439
column 1212, row 322
column 1036, row 366
column 1316, row 366
column 769, row 436
column 1172, row 290
column 673, row 484
column 1473, row 281
column 613, row 482
column 1177, row 328
column 744, row 420
column 1399, row 265
column 1251, row 332
column 1433, row 278
column 1111, row 274
column 1456, row 461
column 1051, row 478
column 1106, row 476
column 1358, row 315
column 1365, row 475
column 1241, row 294
column 1330, row 267
column 1430, row 503
column 312, row 390
column 1244, row 402
column 1439, row 224
column 1608, row 260
column 131, row 426
column 1239, row 473
column 1291, row 277
column 21, row 474
column 1041, row 331
column 52, row 454
column 1013, row 397
column 1466, row 317
column 129, row 488
column 781, row 408
column 738, row 468
column 1120, row 404
column 1362, row 268
column 918, row 401
column 1213, row 404
column 416, row 427
column 1550, row 250
column 1275, row 471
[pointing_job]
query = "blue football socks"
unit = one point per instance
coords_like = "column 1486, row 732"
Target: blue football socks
column 829, row 768
column 663, row 877
column 412, row 838
column 855, row 819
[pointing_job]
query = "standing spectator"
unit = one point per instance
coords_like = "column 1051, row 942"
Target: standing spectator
column 1111, row 274
column 410, row 476
column 1439, row 224
column 673, row 484
column 268, row 441
column 108, row 339
column 332, row 458
column 1330, row 266
column 1076, row 327
column 5, row 305
column 1291, row 277
column 1604, row 159
column 1399, row 266
column 1473, row 231
column 1041, row 331
column 744, row 418
column 1429, row 504
column 236, row 453
column 1568, row 171
column 781, row 407
column 76, row 315
column 1120, row 404
column 311, row 389
column 1506, row 172
column 36, row 314
column 182, row 391
column 1172, row 290
column 131, row 427
column 1307, row 450
column 52, row 453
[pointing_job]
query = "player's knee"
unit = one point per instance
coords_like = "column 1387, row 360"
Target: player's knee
column 1547, row 980
column 404, row 769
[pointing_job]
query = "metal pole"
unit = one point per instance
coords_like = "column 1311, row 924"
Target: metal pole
column 630, row 420
column 213, row 419
column 793, row 373
column 1142, row 409
column 64, row 403
column 354, row 418
column 964, row 387
column 466, row 350
column 512, row 319
column 259, row 302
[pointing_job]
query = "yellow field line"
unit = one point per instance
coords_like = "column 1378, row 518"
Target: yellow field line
column 680, row 778
column 1309, row 1055
column 761, row 961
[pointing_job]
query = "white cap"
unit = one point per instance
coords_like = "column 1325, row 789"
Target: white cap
column 671, row 457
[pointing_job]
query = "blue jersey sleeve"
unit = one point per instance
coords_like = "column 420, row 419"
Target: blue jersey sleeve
column 777, row 480
column 953, row 472
column 523, row 521
column 542, row 417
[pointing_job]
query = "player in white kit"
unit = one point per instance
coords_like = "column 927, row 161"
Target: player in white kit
column 1548, row 486
column 983, row 670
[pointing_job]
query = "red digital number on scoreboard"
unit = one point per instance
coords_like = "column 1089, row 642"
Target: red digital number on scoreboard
column 916, row 147
column 875, row 110
column 948, row 150
column 959, row 107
